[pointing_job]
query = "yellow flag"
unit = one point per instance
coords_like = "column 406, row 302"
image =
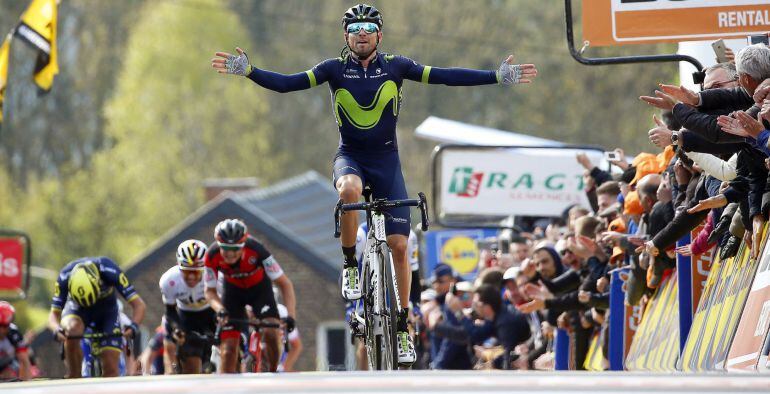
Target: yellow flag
column 4, row 49
column 38, row 28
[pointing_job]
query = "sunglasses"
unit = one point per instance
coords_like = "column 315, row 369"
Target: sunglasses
column 368, row 27
column 564, row 252
column 231, row 248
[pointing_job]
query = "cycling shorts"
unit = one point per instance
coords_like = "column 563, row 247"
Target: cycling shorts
column 259, row 297
column 103, row 317
column 382, row 172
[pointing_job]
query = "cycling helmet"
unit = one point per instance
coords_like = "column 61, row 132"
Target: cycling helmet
column 190, row 253
column 231, row 232
column 7, row 313
column 362, row 13
column 84, row 283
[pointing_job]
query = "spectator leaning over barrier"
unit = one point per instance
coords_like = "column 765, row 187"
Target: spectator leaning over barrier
column 753, row 67
column 690, row 187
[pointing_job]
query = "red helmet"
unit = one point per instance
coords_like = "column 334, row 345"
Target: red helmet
column 7, row 313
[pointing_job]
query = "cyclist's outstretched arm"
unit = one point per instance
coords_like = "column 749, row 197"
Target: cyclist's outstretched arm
column 508, row 74
column 226, row 63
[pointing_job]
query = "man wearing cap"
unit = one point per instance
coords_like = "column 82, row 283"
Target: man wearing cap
column 442, row 278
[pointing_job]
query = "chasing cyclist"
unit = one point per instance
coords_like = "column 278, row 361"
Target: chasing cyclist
column 366, row 96
column 14, row 355
column 188, row 315
column 248, row 270
column 84, row 298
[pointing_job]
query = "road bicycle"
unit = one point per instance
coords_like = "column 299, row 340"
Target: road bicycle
column 256, row 357
column 92, row 364
column 377, row 326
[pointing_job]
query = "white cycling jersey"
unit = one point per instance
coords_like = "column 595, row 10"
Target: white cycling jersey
column 174, row 290
column 412, row 247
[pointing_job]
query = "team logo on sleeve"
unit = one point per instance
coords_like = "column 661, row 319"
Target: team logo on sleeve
column 271, row 265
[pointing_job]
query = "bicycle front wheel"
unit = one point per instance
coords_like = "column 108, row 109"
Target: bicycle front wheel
column 389, row 310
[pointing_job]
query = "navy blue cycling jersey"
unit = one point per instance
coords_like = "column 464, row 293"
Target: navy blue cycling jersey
column 111, row 278
column 366, row 102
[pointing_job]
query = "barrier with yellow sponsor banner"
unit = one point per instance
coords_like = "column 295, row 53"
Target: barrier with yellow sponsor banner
column 748, row 349
column 655, row 346
column 595, row 360
column 716, row 320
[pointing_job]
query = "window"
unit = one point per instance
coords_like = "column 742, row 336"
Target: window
column 334, row 349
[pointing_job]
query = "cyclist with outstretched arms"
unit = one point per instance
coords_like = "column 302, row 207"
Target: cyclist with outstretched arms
column 366, row 94
column 188, row 315
column 248, row 270
column 85, row 298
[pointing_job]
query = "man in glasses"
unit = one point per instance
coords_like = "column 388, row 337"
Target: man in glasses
column 366, row 97
column 249, row 272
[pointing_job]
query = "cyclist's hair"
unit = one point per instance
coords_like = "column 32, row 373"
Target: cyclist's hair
column 490, row 295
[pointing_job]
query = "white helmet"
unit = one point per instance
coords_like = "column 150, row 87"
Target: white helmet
column 190, row 254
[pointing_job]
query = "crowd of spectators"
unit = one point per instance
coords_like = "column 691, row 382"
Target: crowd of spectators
column 710, row 166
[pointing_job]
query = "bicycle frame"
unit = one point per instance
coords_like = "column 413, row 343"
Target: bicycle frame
column 380, row 287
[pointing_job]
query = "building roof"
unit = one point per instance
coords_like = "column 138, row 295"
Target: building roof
column 445, row 130
column 296, row 215
column 304, row 205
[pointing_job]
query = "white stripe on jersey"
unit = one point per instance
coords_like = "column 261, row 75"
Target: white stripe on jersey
column 174, row 289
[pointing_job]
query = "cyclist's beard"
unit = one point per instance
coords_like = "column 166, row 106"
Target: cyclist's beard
column 363, row 55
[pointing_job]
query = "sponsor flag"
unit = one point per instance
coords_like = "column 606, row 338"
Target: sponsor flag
column 38, row 28
column 4, row 50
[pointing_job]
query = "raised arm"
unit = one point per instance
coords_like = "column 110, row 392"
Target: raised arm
column 226, row 63
column 507, row 74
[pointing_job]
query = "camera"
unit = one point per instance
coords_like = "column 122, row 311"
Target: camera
column 758, row 39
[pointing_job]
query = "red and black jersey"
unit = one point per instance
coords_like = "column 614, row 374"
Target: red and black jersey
column 248, row 272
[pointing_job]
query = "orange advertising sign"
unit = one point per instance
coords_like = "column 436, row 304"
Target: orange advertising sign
column 619, row 22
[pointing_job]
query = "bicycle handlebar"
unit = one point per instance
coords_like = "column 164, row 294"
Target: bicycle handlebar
column 380, row 205
column 255, row 323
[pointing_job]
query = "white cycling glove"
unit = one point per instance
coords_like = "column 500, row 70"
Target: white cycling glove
column 509, row 74
column 238, row 65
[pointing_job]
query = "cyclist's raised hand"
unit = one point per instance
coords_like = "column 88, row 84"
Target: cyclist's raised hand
column 512, row 74
column 227, row 63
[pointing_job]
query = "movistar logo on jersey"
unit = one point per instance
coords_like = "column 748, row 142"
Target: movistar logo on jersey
column 365, row 117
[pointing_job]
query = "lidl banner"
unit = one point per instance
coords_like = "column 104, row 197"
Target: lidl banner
column 458, row 248
column 656, row 344
column 511, row 181
column 618, row 22
column 716, row 320
column 623, row 320
column 692, row 273
column 752, row 333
